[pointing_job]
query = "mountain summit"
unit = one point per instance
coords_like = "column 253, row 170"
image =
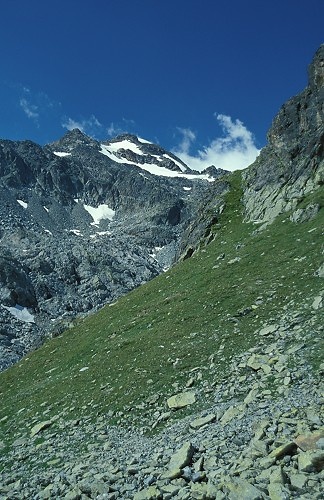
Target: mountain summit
column 83, row 222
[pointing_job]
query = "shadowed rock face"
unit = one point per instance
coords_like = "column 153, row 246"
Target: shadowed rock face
column 291, row 165
column 82, row 223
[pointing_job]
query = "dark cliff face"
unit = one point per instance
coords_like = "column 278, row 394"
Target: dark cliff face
column 291, row 165
column 82, row 223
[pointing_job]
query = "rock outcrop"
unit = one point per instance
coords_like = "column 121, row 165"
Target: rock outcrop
column 292, row 164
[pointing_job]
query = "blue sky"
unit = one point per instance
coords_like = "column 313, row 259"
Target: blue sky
column 202, row 78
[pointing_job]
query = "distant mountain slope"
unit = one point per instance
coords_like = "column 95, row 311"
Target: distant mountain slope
column 81, row 223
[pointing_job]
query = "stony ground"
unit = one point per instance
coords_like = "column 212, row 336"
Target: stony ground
column 261, row 436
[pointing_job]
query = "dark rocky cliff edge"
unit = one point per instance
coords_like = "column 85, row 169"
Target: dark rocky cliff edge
column 291, row 165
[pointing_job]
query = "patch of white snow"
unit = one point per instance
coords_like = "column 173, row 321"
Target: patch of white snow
column 61, row 153
column 182, row 167
column 105, row 151
column 100, row 233
column 77, row 232
column 144, row 141
column 100, row 212
column 23, row 203
column 154, row 169
column 20, row 313
column 125, row 144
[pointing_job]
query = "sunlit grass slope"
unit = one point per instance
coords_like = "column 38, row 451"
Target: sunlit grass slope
column 147, row 344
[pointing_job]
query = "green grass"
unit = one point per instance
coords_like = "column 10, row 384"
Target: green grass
column 148, row 342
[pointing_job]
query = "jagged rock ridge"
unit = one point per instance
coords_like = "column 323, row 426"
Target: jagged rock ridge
column 291, row 165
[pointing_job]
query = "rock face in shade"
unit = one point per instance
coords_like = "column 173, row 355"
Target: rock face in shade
column 292, row 164
column 82, row 223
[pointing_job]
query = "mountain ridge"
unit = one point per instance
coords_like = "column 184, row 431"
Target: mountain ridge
column 84, row 222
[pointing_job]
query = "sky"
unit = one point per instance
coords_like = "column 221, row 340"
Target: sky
column 202, row 78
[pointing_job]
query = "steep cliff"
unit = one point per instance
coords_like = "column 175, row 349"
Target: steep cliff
column 291, row 165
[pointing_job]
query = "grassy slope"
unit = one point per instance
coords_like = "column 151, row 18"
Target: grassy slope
column 185, row 314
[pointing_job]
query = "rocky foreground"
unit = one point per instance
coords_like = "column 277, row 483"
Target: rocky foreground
column 259, row 436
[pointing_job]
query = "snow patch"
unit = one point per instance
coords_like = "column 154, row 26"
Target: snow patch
column 105, row 151
column 100, row 233
column 20, row 313
column 125, row 144
column 182, row 167
column 22, row 203
column 144, row 141
column 61, row 153
column 165, row 172
column 154, row 169
column 155, row 251
column 77, row 232
column 100, row 212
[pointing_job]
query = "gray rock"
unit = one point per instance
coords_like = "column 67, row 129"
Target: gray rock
column 199, row 422
column 305, row 214
column 40, row 427
column 289, row 167
column 310, row 461
column 182, row 457
column 317, row 302
column 241, row 489
column 181, row 400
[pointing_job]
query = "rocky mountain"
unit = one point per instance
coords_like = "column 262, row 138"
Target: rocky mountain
column 81, row 223
column 206, row 382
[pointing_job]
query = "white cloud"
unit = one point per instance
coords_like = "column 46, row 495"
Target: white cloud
column 29, row 109
column 234, row 151
column 37, row 105
column 90, row 126
column 125, row 126
column 114, row 129
column 188, row 136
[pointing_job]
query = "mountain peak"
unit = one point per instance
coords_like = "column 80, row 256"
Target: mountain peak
column 125, row 137
column 73, row 138
column 316, row 70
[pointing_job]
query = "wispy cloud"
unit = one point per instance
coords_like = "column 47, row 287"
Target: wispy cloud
column 234, row 151
column 90, row 126
column 114, row 129
column 30, row 110
column 36, row 104
column 126, row 125
column 188, row 137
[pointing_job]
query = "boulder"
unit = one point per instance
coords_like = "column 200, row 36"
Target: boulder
column 181, row 400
